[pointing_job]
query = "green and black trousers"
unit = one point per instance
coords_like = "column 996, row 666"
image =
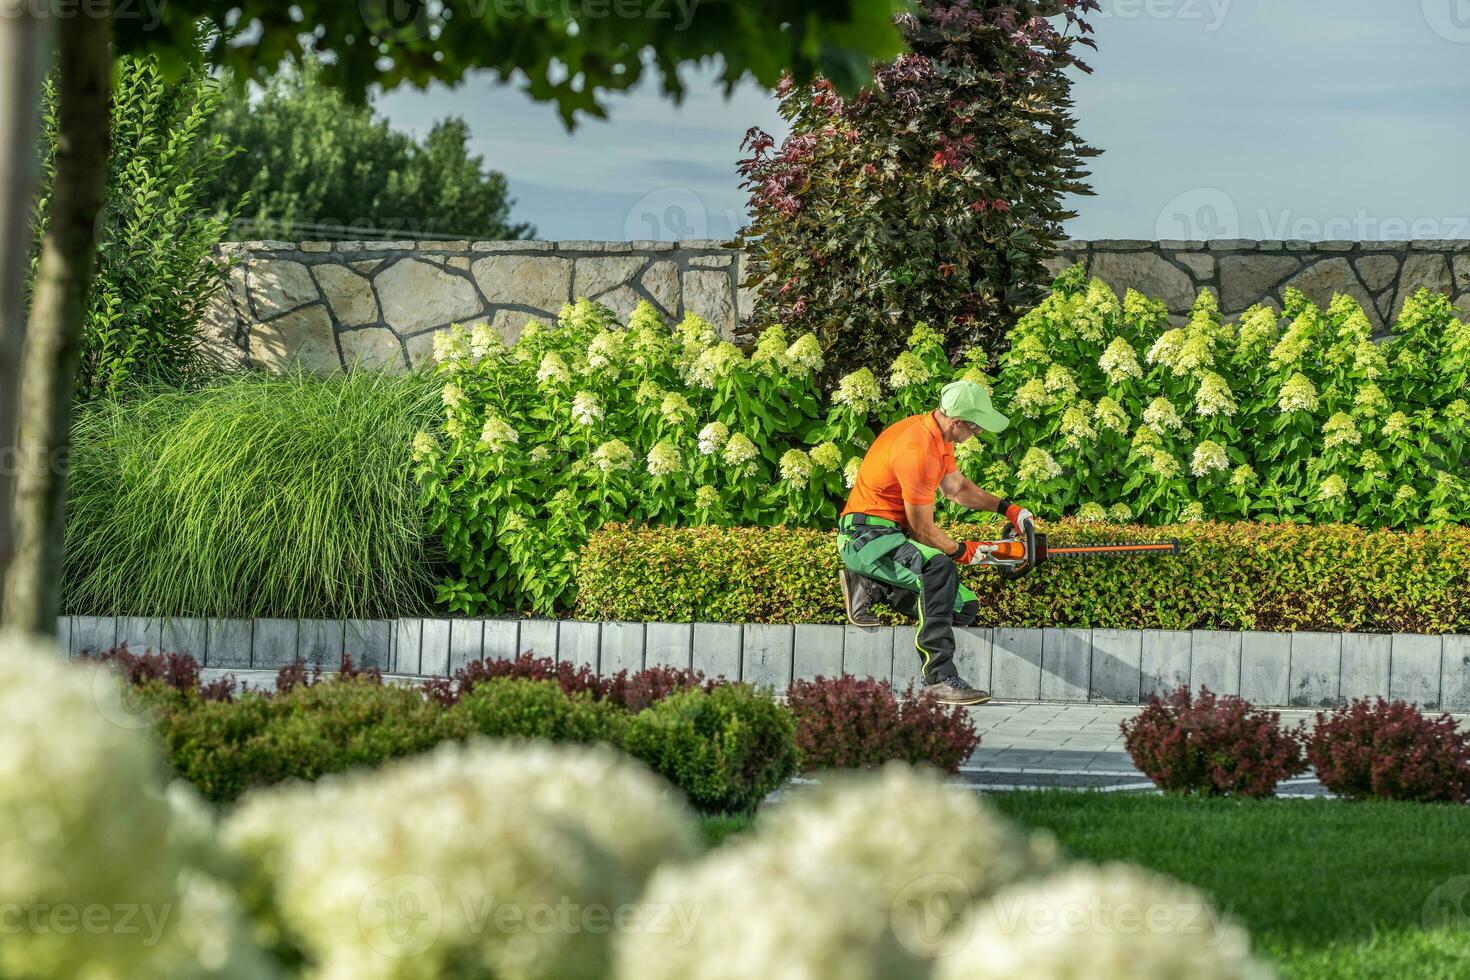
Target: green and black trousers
column 913, row 579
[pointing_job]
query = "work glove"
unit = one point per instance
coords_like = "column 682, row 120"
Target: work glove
column 1019, row 517
column 968, row 551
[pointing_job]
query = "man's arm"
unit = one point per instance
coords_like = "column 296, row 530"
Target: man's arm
column 957, row 488
column 923, row 529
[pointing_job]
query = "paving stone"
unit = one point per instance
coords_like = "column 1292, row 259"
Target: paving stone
column 716, row 650
column 1316, row 666
column 1265, row 667
column 1065, row 664
column 274, row 642
column 766, row 655
column 1015, row 663
column 972, row 655
column 408, row 637
column 466, row 643
column 228, row 642
column 868, row 652
column 501, row 639
column 434, row 648
column 578, row 643
column 1164, row 661
column 319, row 642
column 186, row 636
column 1214, row 661
column 1415, row 669
column 539, row 637
column 669, row 645
column 1365, row 660
column 816, row 651
column 140, row 634
column 1454, row 681
column 369, row 642
column 622, row 648
column 1116, row 660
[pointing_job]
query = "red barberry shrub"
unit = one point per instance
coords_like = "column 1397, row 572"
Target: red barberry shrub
column 297, row 674
column 641, row 688
column 858, row 722
column 1219, row 746
column 573, row 678
column 179, row 671
column 1391, row 750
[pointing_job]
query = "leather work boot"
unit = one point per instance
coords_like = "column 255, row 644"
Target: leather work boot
column 956, row 690
column 857, row 596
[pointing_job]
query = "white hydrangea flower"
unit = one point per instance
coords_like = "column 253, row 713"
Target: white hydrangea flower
column 1164, row 464
column 1077, row 430
column 1370, row 401
column 1243, row 476
column 769, row 355
column 1145, row 440
column 424, row 446
column 907, row 371
column 850, row 471
column 1099, row 923
column 1059, row 382
column 1120, row 513
column 827, row 455
column 740, row 450
column 1166, row 349
column 858, row 391
column 796, row 468
column 604, row 349
column 1031, row 398
column 712, row 438
column 664, row 460
column 1092, row 512
column 1256, row 330
column 497, row 434
column 696, row 332
column 1037, row 466
column 1193, row 512
column 1161, row 417
column 706, row 498
column 453, row 834
column 612, row 456
column 1396, row 426
column 1110, row 415
column 648, row 392
column 484, row 341
column 1368, row 360
column 1405, row 493
column 976, row 376
column 675, row 408
column 1196, row 354
column 1029, row 350
column 1099, row 307
column 1209, row 457
column 715, row 363
column 1371, row 462
column 586, row 409
column 1457, row 413
column 540, row 454
column 1298, row 395
column 806, row 353
column 1290, row 349
column 1214, row 396
column 1340, row 430
column 553, row 370
column 450, row 346
column 1332, row 488
column 971, row 449
column 1120, row 362
column 453, row 396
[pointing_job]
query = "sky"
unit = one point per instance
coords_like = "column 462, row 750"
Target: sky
column 1311, row 119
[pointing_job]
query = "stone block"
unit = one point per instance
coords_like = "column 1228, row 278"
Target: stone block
column 228, row 643
column 540, row 281
column 1245, row 279
column 349, row 295
column 1335, row 246
column 578, row 643
column 868, row 652
column 1148, row 273
column 140, row 634
column 417, row 295
column 669, row 645
column 274, row 643
column 187, row 636
column 1423, row 271
column 1117, row 658
column 972, row 654
column 1454, row 681
column 434, row 648
column 372, row 349
column 1016, row 663
column 303, row 338
column 451, row 246
column 712, row 296
column 1321, row 281
column 1164, row 661
column 1265, row 667
column 408, row 636
column 539, row 637
column 766, row 655
column 1065, row 664
column 622, row 647
column 369, row 642
column 1201, row 265
column 593, row 276
column 1415, row 669
column 716, row 650
column 407, row 246
column 512, row 246
column 278, row 286
column 1462, row 273
column 63, row 635
column 906, row 660
column 1179, row 245
column 1316, row 669
column 1377, row 271
column 650, row 245
column 622, row 301
column 712, row 261
column 1214, row 661
column 593, row 246
column 1365, row 663
column 817, row 651
column 319, row 642
column 502, row 639
column 466, row 642
column 661, row 279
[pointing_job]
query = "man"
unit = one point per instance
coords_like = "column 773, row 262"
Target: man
column 895, row 553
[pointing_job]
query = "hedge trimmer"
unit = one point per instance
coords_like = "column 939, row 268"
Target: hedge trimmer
column 1013, row 556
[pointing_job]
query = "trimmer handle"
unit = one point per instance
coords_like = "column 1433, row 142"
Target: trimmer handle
column 1035, row 550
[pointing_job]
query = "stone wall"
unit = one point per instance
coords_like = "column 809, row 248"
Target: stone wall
column 330, row 304
column 379, row 304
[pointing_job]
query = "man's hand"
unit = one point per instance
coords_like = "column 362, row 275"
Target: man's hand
column 1019, row 517
column 967, row 555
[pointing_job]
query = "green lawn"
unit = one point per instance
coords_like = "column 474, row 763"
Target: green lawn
column 1327, row 888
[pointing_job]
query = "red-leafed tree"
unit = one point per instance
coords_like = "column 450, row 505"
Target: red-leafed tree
column 934, row 194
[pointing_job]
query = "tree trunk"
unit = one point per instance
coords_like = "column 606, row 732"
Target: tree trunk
column 24, row 40
column 58, row 308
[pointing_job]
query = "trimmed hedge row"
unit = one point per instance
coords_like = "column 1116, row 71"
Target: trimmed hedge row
column 1253, row 576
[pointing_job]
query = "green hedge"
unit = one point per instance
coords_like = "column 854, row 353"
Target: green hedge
column 1229, row 576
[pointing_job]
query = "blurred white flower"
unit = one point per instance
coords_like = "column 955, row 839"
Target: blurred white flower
column 424, row 446
column 806, row 353
column 706, row 498
column 1110, row 415
column 497, row 434
column 858, row 391
column 1396, row 426
column 484, row 341
column 1120, row 362
column 1164, row 464
column 715, row 363
column 1077, row 430
column 612, row 456
column 453, row 396
column 1029, row 349
column 675, row 408
column 648, row 392
column 1368, row 360
column 769, row 355
column 850, row 471
column 1037, row 466
column 1256, row 330
column 540, row 454
column 1457, row 413
column 1193, row 512
column 1291, row 348
column 1059, row 382
column 1340, row 430
column 1243, row 476
column 1209, row 457
column 712, row 438
column 553, row 370
column 1214, row 396
column 1031, row 398
column 907, row 371
column 827, row 455
column 1121, row 513
column 1370, row 401
column 1371, row 462
column 1332, row 488
column 586, row 409
column 604, row 349
column 1298, row 395
column 1145, row 440
column 1161, row 417
column 1092, row 512
column 740, row 450
column 697, row 332
column 1165, row 349
column 1405, row 493
column 450, row 346
column 664, row 460
column 796, row 468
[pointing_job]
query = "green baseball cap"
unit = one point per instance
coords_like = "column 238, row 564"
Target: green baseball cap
column 970, row 401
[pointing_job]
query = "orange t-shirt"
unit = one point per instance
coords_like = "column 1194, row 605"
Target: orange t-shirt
column 905, row 463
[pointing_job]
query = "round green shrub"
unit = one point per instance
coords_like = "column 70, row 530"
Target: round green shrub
column 519, row 708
